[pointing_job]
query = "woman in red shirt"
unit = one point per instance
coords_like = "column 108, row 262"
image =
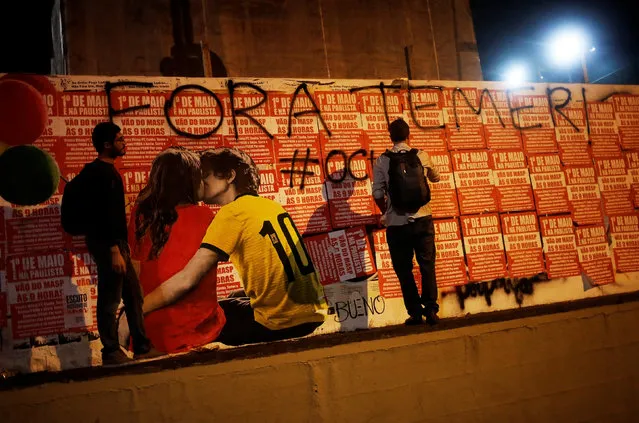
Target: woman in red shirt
column 166, row 229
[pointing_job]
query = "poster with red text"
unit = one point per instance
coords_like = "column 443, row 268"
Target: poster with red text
column 341, row 255
column 339, row 110
column 253, row 135
column 301, row 182
column 134, row 180
column 632, row 165
column 499, row 130
column 512, row 181
column 425, row 117
column 228, row 280
column 538, row 132
column 604, row 133
column 378, row 110
column 625, row 242
column 560, row 250
column 594, row 254
column 627, row 115
column 3, row 310
column 269, row 183
column 450, row 267
column 198, row 118
column 484, row 247
column 583, row 195
column 464, row 128
column 81, row 294
column 615, row 186
column 146, row 131
column 280, row 106
column 36, row 293
column 549, row 184
column 34, row 228
column 474, row 181
column 348, row 180
column 443, row 195
column 389, row 286
column 572, row 136
column 80, row 112
column 523, row 244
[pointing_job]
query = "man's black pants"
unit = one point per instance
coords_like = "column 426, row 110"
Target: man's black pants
column 415, row 239
column 113, row 287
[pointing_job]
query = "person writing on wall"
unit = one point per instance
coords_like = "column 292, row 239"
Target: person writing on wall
column 284, row 298
column 402, row 194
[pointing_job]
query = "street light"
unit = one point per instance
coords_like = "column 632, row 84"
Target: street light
column 516, row 74
column 569, row 45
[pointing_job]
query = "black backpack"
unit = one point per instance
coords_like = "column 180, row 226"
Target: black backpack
column 407, row 185
column 75, row 209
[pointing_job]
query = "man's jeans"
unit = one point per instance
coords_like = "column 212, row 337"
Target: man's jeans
column 415, row 239
column 113, row 287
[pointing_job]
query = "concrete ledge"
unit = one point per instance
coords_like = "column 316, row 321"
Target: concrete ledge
column 576, row 364
column 196, row 358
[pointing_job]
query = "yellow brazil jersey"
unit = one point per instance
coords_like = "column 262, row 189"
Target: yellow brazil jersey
column 261, row 241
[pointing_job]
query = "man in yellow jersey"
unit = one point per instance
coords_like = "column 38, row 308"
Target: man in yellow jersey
column 284, row 298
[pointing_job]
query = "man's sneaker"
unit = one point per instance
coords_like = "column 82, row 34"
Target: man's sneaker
column 414, row 320
column 114, row 358
column 151, row 353
column 431, row 317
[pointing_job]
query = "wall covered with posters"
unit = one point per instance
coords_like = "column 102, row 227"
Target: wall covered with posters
column 537, row 201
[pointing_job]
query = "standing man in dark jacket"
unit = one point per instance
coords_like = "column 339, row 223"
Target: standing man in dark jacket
column 107, row 242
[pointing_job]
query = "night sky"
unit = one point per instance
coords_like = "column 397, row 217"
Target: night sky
column 518, row 30
column 507, row 31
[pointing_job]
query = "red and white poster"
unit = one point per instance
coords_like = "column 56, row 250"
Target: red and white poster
column 81, row 294
column 269, row 183
column 426, row 122
column 484, row 247
column 632, row 165
column 375, row 109
column 625, row 242
column 34, row 228
column 389, row 286
column 474, row 181
column 228, row 280
column 341, row 255
column 604, row 133
column 594, row 254
column 36, row 292
column 464, row 129
column 443, row 195
column 244, row 133
column 541, row 139
column 339, row 110
column 80, row 112
column 146, row 131
column 350, row 200
column 512, row 181
column 549, row 184
column 450, row 267
column 627, row 114
column 572, row 135
column 523, row 244
column 280, row 104
column 560, row 249
column 499, row 131
column 615, row 186
column 584, row 195
column 301, row 181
